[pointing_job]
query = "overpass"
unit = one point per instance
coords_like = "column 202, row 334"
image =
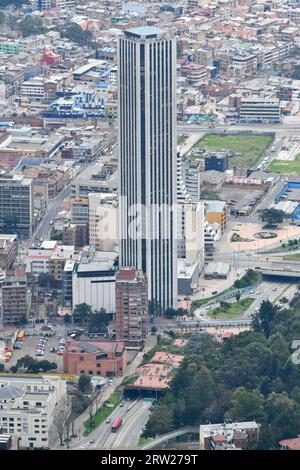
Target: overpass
column 283, row 274
column 169, row 436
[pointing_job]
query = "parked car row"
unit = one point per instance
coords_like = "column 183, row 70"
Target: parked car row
column 40, row 349
column 61, row 346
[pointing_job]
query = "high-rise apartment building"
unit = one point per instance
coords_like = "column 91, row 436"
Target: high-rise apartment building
column 15, row 301
column 147, row 142
column 131, row 307
column 16, row 205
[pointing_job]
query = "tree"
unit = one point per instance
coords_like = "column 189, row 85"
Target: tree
column 154, row 308
column 84, row 384
column 160, row 422
column 283, row 300
column 30, row 26
column 75, row 33
column 250, row 278
column 99, row 321
column 79, row 403
column 272, row 216
column 263, row 318
column 61, row 418
column 67, row 319
column 238, row 296
column 153, row 330
column 33, row 366
column 245, row 405
column 16, row 3
column 82, row 313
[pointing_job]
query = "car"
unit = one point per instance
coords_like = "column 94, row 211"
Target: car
column 207, row 308
column 274, row 289
column 144, row 428
column 110, row 382
column 108, row 421
column 121, row 405
column 252, row 292
column 92, row 441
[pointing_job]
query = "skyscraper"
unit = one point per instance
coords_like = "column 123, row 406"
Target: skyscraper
column 147, row 141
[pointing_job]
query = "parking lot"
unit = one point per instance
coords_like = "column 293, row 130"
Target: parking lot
column 29, row 348
column 242, row 197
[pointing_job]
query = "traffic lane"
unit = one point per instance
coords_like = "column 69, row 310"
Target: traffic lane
column 129, row 433
column 267, row 291
column 98, row 437
column 53, row 208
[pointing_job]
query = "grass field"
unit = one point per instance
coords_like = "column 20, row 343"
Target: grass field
column 233, row 310
column 286, row 167
column 293, row 256
column 250, row 147
column 101, row 414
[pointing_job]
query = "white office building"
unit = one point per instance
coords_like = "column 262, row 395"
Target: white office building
column 27, row 407
column 94, row 280
column 147, row 142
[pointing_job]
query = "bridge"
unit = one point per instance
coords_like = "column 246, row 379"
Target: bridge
column 169, row 436
column 287, row 274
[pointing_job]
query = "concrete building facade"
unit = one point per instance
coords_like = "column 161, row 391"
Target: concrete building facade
column 147, row 143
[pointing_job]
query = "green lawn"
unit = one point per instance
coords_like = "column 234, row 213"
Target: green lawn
column 234, row 310
column 198, row 303
column 250, row 147
column 144, row 440
column 286, row 167
column 102, row 414
column 292, row 256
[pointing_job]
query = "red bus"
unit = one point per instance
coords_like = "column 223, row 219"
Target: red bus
column 116, row 425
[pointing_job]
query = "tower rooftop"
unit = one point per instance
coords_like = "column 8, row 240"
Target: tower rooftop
column 146, row 31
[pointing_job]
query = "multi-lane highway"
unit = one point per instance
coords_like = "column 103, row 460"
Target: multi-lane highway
column 285, row 128
column 135, row 415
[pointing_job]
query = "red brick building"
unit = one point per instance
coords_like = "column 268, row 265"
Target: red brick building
column 105, row 358
column 131, row 307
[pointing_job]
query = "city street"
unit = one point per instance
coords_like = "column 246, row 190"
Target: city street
column 54, row 205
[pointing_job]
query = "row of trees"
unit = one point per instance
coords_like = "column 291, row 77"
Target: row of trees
column 251, row 376
column 32, row 366
column 71, row 406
